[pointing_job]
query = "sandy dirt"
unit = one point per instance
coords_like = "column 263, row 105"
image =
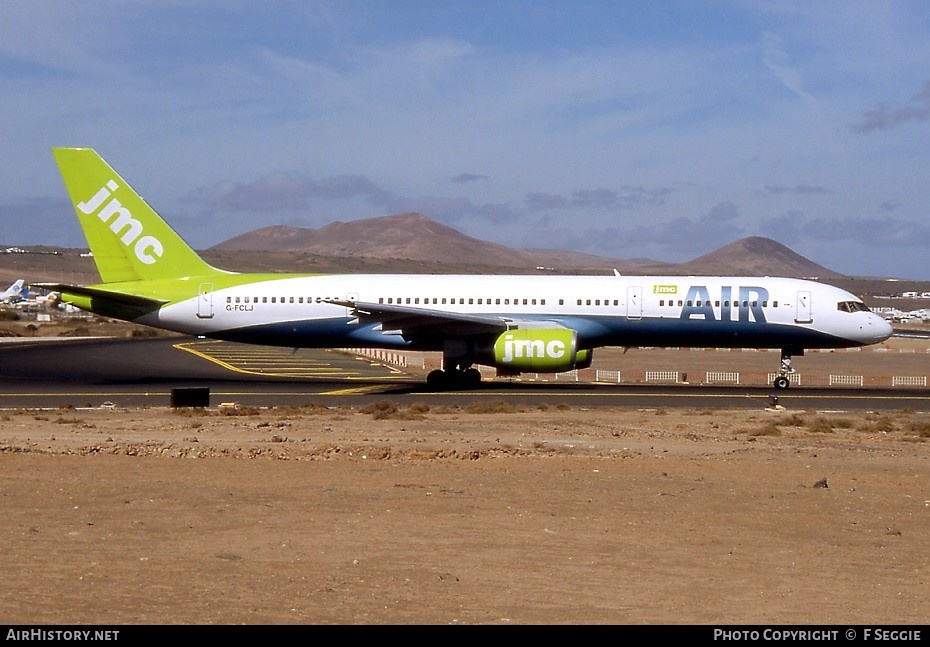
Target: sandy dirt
column 480, row 514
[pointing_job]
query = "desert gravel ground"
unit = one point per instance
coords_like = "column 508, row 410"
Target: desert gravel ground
column 480, row 514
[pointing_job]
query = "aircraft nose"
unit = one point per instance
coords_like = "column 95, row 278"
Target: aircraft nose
column 876, row 330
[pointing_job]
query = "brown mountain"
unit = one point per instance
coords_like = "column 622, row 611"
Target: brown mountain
column 406, row 237
column 756, row 256
column 410, row 240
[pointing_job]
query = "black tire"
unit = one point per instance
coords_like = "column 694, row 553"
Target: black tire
column 437, row 380
column 472, row 378
column 782, row 382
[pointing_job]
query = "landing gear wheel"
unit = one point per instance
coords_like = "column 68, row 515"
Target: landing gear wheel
column 437, row 380
column 781, row 379
column 471, row 378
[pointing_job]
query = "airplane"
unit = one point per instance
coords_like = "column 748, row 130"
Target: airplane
column 14, row 293
column 516, row 324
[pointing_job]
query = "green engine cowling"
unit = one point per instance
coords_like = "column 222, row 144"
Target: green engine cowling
column 540, row 350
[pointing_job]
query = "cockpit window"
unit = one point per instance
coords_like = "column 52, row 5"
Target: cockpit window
column 852, row 306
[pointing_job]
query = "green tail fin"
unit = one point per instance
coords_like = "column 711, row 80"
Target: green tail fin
column 129, row 241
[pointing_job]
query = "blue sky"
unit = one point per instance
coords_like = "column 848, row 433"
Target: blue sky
column 626, row 129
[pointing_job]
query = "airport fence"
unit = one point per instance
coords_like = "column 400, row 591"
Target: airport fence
column 425, row 362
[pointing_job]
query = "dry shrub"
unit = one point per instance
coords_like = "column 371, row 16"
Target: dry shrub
column 771, row 428
column 386, row 409
column 240, row 411
column 820, row 425
column 884, row 424
column 418, row 407
column 491, row 406
column 381, row 409
column 921, row 429
column 189, row 412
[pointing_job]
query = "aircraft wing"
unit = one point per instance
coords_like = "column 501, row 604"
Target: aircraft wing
column 413, row 322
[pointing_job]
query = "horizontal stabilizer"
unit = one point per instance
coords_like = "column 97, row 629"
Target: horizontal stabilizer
column 108, row 303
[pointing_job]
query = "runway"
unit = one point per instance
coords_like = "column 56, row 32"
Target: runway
column 151, row 372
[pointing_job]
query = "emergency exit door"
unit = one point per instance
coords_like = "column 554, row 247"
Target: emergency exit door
column 205, row 301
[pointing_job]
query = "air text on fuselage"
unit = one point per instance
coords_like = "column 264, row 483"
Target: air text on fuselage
column 742, row 303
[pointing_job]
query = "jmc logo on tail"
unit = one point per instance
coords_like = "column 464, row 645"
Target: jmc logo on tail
column 147, row 249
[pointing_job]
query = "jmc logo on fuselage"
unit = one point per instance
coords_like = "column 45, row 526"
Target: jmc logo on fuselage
column 747, row 303
column 147, row 249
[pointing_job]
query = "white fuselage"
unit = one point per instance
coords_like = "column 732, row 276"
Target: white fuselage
column 761, row 312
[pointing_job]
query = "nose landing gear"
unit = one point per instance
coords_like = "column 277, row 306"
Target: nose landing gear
column 781, row 379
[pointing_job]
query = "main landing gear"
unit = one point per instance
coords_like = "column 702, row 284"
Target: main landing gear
column 457, row 371
column 781, row 379
column 440, row 380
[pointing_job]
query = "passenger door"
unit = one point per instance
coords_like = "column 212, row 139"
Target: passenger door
column 634, row 302
column 803, row 308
